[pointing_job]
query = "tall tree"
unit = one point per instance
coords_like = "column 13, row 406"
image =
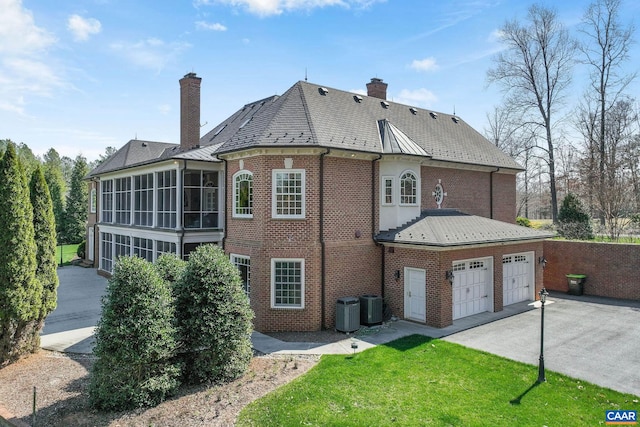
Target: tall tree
column 44, row 228
column 57, row 185
column 20, row 293
column 604, row 50
column 534, row 71
column 76, row 209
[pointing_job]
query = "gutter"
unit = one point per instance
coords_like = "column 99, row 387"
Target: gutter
column 226, row 211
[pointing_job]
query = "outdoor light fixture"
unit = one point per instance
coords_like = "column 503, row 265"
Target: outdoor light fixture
column 543, row 298
column 397, row 274
column 449, row 276
column 542, row 260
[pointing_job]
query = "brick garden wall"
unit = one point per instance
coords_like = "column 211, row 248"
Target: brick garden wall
column 611, row 268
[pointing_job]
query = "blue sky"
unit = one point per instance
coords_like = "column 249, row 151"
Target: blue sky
column 83, row 75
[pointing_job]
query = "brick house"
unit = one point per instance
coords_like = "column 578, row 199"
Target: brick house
column 319, row 194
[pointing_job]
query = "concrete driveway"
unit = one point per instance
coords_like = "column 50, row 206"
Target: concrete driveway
column 593, row 339
column 589, row 338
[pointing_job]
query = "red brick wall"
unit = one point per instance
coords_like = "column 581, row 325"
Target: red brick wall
column 352, row 259
column 611, row 268
column 470, row 192
column 439, row 293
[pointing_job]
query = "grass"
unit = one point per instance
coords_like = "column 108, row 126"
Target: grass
column 417, row 381
column 68, row 253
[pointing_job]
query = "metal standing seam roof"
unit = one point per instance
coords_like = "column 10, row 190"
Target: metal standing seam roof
column 311, row 115
column 450, row 227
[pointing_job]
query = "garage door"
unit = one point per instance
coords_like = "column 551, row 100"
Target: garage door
column 516, row 278
column 470, row 287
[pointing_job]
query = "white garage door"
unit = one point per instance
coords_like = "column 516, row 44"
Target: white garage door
column 470, row 287
column 516, row 278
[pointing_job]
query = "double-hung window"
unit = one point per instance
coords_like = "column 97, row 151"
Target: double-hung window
column 387, row 190
column 287, row 283
column 288, row 193
column 243, row 194
column 244, row 266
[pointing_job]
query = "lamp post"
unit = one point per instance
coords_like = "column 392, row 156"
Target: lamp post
column 543, row 297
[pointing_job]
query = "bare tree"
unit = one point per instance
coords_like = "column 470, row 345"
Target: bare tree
column 605, row 49
column 534, row 71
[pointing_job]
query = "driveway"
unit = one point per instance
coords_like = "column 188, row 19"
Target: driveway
column 590, row 338
column 593, row 339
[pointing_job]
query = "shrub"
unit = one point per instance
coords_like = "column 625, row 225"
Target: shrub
column 214, row 318
column 135, row 340
column 82, row 248
column 170, row 268
column 523, row 221
column 573, row 220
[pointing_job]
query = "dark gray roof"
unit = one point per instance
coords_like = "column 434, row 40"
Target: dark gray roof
column 450, row 227
column 138, row 153
column 310, row 115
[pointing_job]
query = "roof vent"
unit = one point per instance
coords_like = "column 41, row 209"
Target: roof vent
column 246, row 122
column 357, row 98
column 433, row 115
column 414, row 111
column 144, row 144
column 323, row 91
column 455, row 119
column 384, row 104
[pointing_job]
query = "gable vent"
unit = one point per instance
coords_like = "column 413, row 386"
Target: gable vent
column 357, row 98
column 433, row 115
column 384, row 104
column 323, row 91
column 414, row 111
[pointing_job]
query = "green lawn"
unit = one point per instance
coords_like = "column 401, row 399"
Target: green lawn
column 68, row 253
column 418, row 381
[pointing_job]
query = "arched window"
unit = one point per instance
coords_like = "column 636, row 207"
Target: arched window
column 408, row 189
column 243, row 194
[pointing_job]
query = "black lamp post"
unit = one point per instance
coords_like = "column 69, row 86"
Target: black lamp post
column 543, row 297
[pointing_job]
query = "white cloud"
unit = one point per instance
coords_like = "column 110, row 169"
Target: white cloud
column 427, row 64
column 18, row 32
column 150, row 53
column 277, row 7
column 202, row 25
column 164, row 109
column 17, row 106
column 419, row 97
column 495, row 36
column 82, row 28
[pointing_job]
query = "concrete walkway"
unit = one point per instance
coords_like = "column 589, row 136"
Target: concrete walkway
column 590, row 338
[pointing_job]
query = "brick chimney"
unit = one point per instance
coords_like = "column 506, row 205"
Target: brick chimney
column 190, row 111
column 377, row 88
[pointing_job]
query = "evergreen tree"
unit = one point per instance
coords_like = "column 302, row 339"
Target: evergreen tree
column 57, row 185
column 76, row 209
column 20, row 293
column 573, row 220
column 135, row 340
column 213, row 317
column 44, row 228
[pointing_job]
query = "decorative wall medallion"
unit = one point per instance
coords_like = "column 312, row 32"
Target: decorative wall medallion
column 439, row 194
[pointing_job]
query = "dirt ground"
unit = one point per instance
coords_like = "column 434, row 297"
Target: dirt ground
column 61, row 381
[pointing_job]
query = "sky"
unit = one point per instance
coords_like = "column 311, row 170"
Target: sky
column 82, row 75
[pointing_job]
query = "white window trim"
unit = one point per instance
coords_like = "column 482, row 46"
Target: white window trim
column 234, row 214
column 417, row 177
column 274, row 213
column 383, row 195
column 273, row 284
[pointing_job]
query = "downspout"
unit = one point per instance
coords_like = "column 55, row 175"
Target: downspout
column 491, row 192
column 373, row 220
column 226, row 214
column 323, row 284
